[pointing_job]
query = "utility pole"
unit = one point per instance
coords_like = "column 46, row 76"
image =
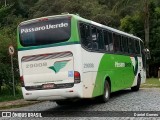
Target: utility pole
column 146, row 23
column 11, row 52
column 5, row 3
column 146, row 29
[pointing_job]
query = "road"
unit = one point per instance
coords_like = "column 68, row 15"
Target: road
column 146, row 99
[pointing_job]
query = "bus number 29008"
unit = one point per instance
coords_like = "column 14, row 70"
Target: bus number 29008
column 36, row 65
column 88, row 65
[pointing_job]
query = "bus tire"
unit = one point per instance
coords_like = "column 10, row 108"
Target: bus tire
column 106, row 94
column 136, row 88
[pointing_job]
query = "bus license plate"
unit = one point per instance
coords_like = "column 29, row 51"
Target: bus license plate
column 48, row 86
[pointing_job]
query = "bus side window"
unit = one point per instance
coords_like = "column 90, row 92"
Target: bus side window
column 85, row 35
column 137, row 47
column 125, row 44
column 116, row 43
column 94, row 38
column 100, row 39
column 106, row 40
column 131, row 46
column 97, row 39
column 121, row 43
column 110, row 38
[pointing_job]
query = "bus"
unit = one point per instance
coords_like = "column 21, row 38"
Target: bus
column 67, row 57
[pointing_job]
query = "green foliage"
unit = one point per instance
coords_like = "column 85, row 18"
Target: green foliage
column 90, row 9
column 10, row 97
column 9, row 22
column 3, row 11
column 155, row 35
column 133, row 25
column 7, row 95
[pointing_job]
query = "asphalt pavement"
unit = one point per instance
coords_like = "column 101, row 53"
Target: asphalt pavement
column 146, row 99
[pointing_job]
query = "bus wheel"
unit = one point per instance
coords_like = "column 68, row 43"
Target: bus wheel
column 106, row 94
column 136, row 88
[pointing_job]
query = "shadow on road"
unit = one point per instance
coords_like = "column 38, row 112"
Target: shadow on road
column 85, row 104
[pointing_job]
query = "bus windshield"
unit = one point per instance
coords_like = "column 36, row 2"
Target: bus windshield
column 45, row 32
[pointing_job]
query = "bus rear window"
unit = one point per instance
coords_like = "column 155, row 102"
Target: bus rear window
column 45, row 32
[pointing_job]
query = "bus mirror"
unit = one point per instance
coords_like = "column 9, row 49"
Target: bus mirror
column 147, row 52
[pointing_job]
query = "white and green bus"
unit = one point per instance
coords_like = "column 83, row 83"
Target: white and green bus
column 67, row 57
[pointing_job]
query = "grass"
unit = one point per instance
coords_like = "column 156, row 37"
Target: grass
column 5, row 98
column 151, row 83
column 18, row 106
column 7, row 95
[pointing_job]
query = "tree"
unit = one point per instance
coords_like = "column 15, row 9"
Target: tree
column 134, row 25
column 90, row 9
column 143, row 8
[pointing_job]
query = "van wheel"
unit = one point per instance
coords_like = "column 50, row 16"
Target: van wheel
column 136, row 88
column 106, row 94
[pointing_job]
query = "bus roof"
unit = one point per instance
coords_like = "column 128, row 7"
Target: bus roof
column 77, row 17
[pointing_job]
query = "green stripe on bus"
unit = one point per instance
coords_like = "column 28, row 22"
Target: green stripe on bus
column 120, row 77
column 46, row 46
